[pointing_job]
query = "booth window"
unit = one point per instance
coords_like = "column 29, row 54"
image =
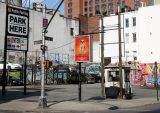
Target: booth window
column 113, row 76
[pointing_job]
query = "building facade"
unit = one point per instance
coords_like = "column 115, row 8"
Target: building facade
column 139, row 33
column 74, row 8
column 89, row 11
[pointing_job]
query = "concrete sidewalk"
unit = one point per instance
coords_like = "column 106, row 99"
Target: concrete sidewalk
column 22, row 105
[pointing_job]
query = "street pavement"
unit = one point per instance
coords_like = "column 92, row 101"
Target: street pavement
column 25, row 104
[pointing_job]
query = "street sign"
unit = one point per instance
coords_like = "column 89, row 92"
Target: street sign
column 37, row 42
column 17, row 28
column 48, row 38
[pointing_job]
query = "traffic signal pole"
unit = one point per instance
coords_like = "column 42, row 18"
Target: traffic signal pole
column 43, row 100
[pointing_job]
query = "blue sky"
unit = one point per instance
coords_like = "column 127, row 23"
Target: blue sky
column 51, row 4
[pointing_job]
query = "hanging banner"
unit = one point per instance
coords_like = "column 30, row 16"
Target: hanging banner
column 17, row 28
column 82, row 48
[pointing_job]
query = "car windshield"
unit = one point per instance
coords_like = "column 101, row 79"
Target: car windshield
column 1, row 62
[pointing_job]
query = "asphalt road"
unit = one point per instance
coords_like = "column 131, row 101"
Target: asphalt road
column 90, row 92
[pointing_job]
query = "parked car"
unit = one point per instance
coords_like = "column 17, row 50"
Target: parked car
column 97, row 78
column 15, row 82
column 89, row 79
column 10, row 65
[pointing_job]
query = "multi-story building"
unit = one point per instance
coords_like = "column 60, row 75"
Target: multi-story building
column 74, row 8
column 87, row 12
column 139, row 33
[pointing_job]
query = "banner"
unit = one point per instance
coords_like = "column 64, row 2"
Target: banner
column 82, row 48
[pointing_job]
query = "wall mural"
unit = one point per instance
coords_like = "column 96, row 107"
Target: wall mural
column 146, row 75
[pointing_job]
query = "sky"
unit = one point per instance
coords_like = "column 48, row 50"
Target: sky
column 51, row 4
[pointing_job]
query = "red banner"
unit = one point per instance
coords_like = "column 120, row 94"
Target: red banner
column 82, row 49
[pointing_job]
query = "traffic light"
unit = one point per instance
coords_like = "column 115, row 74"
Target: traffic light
column 47, row 64
column 38, row 64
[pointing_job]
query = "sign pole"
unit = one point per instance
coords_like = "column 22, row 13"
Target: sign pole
column 79, row 86
column 5, row 55
column 25, row 67
column 156, row 80
column 43, row 101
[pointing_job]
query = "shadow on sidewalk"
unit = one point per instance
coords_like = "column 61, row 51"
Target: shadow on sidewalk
column 17, row 92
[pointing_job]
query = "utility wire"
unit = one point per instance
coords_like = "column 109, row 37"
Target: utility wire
column 62, row 46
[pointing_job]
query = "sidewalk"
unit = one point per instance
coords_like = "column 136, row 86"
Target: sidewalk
column 21, row 105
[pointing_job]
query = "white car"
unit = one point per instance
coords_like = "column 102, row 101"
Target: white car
column 10, row 65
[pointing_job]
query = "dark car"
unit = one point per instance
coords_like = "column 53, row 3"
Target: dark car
column 97, row 78
column 15, row 82
column 89, row 79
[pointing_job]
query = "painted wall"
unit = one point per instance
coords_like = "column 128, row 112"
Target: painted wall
column 146, row 76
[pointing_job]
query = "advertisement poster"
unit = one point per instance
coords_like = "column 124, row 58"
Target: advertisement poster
column 82, row 49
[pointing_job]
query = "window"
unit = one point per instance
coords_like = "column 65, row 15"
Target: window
column 69, row 0
column 86, row 14
column 85, row 3
column 90, row 2
column 123, row 4
column 127, row 22
column 110, row 0
column 127, row 37
column 90, row 14
column 134, row 21
column 97, row 7
column 110, row 5
column 70, row 5
column 90, row 9
column 110, row 11
column 113, row 76
column 71, row 31
column 134, row 37
column 96, row 1
column 86, row 9
column 103, row 1
column 69, row 11
column 103, row 6
column 134, row 53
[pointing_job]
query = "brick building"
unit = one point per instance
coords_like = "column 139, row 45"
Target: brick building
column 86, row 11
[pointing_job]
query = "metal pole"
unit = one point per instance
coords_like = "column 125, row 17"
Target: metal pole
column 43, row 101
column 120, row 50
column 79, row 86
column 5, row 54
column 156, row 80
column 25, row 67
column 102, row 57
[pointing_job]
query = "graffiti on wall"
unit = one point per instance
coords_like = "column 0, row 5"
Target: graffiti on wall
column 147, row 74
